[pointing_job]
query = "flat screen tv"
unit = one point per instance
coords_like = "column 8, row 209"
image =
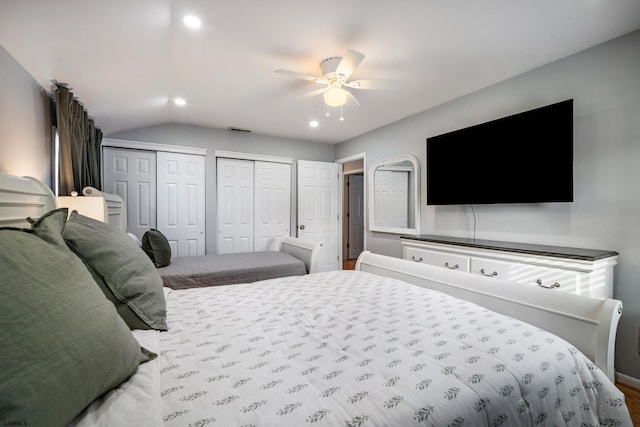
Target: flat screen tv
column 523, row 158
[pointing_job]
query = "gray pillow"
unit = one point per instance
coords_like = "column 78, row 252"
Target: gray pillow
column 157, row 247
column 62, row 344
column 123, row 271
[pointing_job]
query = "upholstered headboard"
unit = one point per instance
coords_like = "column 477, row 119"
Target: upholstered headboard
column 21, row 197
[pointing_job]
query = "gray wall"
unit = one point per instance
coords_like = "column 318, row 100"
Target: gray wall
column 217, row 139
column 605, row 84
column 25, row 126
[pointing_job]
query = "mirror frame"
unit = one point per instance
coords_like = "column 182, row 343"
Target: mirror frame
column 415, row 194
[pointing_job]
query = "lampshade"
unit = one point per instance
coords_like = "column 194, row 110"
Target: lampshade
column 92, row 207
column 335, row 96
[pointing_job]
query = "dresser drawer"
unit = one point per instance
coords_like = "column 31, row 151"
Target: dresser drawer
column 587, row 272
column 545, row 277
column 440, row 259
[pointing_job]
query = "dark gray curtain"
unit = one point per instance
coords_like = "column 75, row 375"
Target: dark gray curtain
column 79, row 144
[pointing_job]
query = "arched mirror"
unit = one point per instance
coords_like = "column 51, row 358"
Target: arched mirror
column 394, row 189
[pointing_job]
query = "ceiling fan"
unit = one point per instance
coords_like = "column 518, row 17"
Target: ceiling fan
column 335, row 78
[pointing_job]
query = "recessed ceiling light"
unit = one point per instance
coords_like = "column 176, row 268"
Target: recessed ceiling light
column 192, row 21
column 180, row 102
column 313, row 123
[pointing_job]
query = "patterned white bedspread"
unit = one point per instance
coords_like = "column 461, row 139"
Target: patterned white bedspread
column 348, row 348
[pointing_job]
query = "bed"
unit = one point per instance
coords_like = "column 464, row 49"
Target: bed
column 284, row 256
column 294, row 257
column 393, row 343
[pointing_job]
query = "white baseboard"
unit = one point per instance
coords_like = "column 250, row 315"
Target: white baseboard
column 628, row 381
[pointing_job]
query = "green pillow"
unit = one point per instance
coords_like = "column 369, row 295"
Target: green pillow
column 125, row 274
column 156, row 246
column 62, row 344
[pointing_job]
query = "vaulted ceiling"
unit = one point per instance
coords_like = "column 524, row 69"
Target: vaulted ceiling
column 126, row 60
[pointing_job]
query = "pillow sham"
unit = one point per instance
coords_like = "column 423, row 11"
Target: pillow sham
column 63, row 344
column 156, row 246
column 125, row 274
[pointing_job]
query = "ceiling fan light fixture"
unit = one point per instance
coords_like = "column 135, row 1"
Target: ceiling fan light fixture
column 335, row 96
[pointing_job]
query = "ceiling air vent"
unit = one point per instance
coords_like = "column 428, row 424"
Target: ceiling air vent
column 232, row 129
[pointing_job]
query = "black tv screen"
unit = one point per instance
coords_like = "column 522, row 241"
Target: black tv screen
column 523, row 158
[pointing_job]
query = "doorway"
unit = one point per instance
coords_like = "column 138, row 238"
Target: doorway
column 319, row 209
column 353, row 212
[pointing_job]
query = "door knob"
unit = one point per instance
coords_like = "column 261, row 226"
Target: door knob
column 302, row 227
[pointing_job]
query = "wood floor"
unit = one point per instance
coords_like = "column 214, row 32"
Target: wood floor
column 349, row 264
column 632, row 396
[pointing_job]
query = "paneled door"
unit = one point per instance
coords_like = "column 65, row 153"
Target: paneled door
column 235, row 187
column 181, row 202
column 272, row 202
column 131, row 174
column 356, row 218
column 318, row 218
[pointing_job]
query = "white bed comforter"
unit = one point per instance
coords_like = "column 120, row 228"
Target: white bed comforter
column 354, row 349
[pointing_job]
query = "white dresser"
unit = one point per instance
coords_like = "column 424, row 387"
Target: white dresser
column 580, row 271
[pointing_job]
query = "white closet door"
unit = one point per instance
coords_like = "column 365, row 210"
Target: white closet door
column 318, row 219
column 181, row 202
column 235, row 187
column 272, row 202
column 131, row 174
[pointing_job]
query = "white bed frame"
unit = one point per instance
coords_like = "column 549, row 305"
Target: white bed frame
column 305, row 250
column 22, row 197
column 589, row 324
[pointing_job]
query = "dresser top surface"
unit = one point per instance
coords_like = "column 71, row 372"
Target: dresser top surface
column 524, row 248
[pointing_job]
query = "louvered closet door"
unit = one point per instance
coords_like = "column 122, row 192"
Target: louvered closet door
column 272, row 202
column 235, row 187
column 181, row 202
column 131, row 174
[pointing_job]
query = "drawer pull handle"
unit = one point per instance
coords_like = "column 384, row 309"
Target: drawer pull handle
column 553, row 286
column 455, row 267
column 495, row 273
column 416, row 260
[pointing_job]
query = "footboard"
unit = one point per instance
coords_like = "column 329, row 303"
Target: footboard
column 305, row 250
column 587, row 323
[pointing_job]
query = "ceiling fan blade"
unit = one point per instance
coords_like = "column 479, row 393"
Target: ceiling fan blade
column 297, row 75
column 353, row 97
column 367, row 84
column 314, row 92
column 349, row 63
